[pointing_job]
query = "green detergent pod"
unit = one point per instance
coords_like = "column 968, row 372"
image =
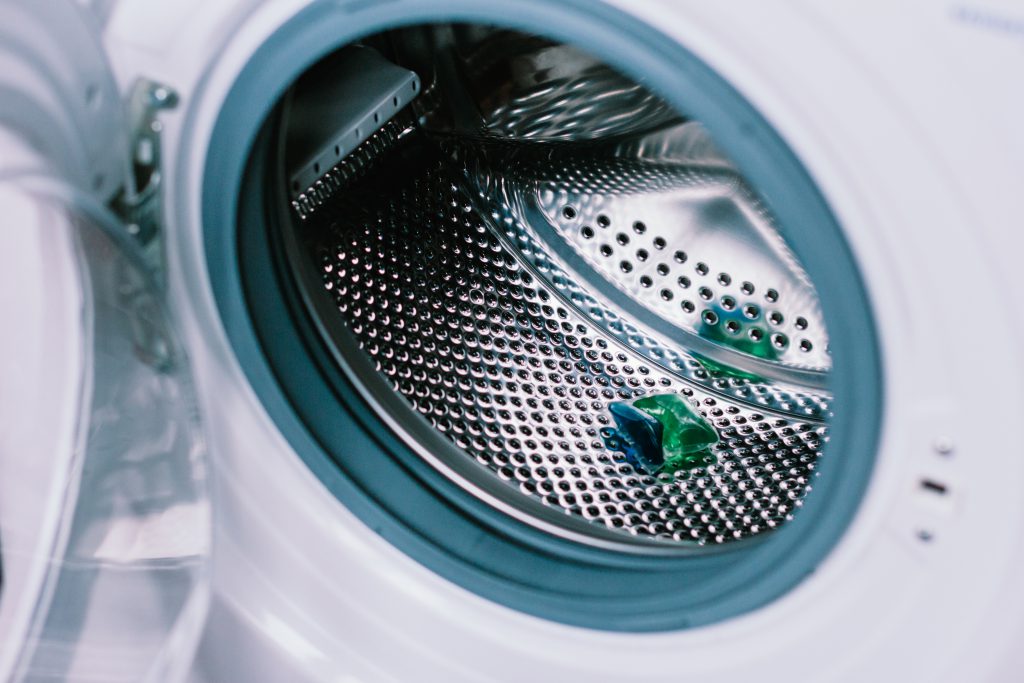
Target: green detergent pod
column 660, row 433
column 686, row 435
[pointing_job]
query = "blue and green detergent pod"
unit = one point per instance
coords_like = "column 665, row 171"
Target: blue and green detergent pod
column 661, row 433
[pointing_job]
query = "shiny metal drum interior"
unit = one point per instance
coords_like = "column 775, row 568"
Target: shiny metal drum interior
column 513, row 246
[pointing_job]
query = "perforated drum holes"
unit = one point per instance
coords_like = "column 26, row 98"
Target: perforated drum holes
column 521, row 297
column 804, row 352
column 520, row 380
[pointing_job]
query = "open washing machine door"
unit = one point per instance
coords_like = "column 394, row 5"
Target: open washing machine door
column 104, row 510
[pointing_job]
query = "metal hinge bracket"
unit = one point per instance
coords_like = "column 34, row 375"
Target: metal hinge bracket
column 140, row 205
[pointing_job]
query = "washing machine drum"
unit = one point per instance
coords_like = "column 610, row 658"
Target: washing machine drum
column 593, row 366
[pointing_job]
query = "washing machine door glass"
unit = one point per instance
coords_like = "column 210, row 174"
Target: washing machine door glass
column 104, row 509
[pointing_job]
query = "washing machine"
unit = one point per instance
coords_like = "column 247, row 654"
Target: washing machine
column 559, row 340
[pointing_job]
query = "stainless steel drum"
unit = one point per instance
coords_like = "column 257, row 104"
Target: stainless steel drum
column 533, row 242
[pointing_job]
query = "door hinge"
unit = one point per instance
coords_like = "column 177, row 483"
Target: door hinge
column 140, row 204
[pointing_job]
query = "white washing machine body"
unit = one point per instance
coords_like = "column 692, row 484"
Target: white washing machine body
column 906, row 120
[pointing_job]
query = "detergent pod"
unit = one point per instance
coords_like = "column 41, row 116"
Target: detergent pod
column 661, row 433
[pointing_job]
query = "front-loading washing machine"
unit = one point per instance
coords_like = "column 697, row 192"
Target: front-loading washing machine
column 447, row 340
